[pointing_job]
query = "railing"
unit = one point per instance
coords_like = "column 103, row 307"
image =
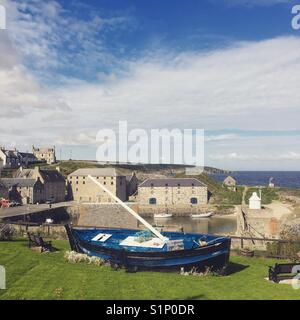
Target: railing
column 283, row 248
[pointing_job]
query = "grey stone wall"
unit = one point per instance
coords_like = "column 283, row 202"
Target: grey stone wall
column 173, row 196
column 106, row 215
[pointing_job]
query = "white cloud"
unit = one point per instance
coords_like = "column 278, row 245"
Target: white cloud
column 49, row 37
column 249, row 86
column 221, row 137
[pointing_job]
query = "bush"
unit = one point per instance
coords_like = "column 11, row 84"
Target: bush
column 75, row 257
column 289, row 249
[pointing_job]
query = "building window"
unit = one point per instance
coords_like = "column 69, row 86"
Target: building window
column 83, row 182
column 194, row 200
column 152, row 201
column 104, row 182
column 112, row 183
column 152, row 185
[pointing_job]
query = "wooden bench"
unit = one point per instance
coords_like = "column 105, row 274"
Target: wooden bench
column 38, row 241
column 283, row 271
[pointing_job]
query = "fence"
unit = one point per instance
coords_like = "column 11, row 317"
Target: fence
column 273, row 248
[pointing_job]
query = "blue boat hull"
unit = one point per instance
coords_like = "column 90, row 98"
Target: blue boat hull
column 214, row 255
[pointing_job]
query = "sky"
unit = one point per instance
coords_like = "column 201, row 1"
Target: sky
column 231, row 67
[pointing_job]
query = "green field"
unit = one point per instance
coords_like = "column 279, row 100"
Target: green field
column 31, row 275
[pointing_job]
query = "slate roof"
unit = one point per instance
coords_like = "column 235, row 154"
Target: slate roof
column 11, row 154
column 16, row 182
column 52, row 176
column 172, row 182
column 27, row 155
column 96, row 172
column 47, row 175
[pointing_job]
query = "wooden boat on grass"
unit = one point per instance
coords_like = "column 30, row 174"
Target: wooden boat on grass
column 122, row 247
column 150, row 249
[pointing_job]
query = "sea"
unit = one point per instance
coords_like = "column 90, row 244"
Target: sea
column 283, row 179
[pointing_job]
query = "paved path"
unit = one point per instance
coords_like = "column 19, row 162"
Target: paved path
column 32, row 208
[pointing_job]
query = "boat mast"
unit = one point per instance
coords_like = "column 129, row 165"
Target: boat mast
column 132, row 212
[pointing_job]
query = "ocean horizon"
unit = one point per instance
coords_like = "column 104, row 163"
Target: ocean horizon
column 283, row 179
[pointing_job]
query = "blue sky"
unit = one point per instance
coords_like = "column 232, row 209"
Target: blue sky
column 231, row 67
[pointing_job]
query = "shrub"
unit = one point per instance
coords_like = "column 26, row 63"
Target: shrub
column 289, row 249
column 75, row 257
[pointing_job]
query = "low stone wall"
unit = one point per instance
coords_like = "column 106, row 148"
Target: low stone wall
column 51, row 231
column 107, row 216
column 176, row 210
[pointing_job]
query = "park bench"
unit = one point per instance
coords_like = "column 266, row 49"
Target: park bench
column 283, row 271
column 38, row 241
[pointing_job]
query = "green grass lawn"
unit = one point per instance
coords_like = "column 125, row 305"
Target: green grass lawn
column 31, row 275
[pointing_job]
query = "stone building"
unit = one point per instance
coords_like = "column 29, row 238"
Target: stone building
column 82, row 189
column 172, row 191
column 26, row 191
column 53, row 181
column 45, row 154
column 28, row 159
column 11, row 159
column 230, row 183
column 14, row 159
